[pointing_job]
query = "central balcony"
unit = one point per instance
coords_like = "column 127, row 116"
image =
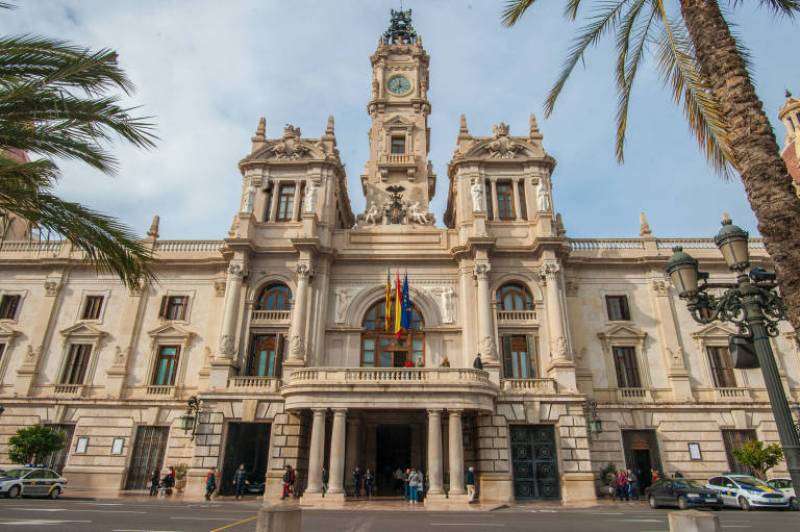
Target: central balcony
column 270, row 317
column 410, row 388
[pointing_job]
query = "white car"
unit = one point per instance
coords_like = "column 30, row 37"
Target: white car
column 31, row 482
column 747, row 492
column 784, row 485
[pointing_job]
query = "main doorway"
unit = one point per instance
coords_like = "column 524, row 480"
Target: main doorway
column 535, row 464
column 641, row 455
column 393, row 452
column 148, row 456
column 248, row 444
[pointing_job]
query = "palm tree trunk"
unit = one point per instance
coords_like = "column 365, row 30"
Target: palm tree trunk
column 755, row 151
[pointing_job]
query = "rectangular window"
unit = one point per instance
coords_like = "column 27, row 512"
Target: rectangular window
column 173, row 307
column 285, row 203
column 627, row 367
column 77, row 362
column 398, row 145
column 505, row 200
column 518, row 357
column 266, row 357
column 166, row 365
column 617, row 307
column 91, row 307
column 523, row 207
column 9, row 305
column 719, row 358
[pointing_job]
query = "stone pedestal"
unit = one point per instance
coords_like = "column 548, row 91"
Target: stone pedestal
column 279, row 518
column 578, row 488
column 495, row 487
column 693, row 521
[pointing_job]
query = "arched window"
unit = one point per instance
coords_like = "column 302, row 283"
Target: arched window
column 274, row 296
column 383, row 348
column 514, row 296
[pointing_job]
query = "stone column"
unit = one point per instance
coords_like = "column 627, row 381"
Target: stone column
column 296, row 203
column 435, row 452
column 316, row 454
column 495, row 214
column 351, row 454
column 468, row 340
column 273, row 207
column 456, row 449
column 486, row 345
column 336, row 476
column 298, row 329
column 233, row 287
column 562, row 365
column 517, row 205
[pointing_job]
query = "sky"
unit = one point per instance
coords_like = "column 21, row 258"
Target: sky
column 207, row 70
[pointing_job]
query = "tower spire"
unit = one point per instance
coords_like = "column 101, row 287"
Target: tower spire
column 463, row 132
column 260, row 138
column 534, row 133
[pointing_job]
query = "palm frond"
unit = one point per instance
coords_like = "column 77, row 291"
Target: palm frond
column 787, row 8
column 604, row 20
column 628, row 64
column 513, row 10
column 571, row 9
column 679, row 70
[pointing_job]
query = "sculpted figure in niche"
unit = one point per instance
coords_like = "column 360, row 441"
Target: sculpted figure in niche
column 543, row 199
column 249, row 199
column 476, row 190
column 342, row 302
column 310, row 204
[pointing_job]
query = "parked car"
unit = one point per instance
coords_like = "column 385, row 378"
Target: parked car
column 784, row 485
column 747, row 492
column 32, row 482
column 254, row 487
column 682, row 493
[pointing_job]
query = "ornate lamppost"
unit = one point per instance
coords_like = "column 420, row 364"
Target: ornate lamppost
column 189, row 421
column 753, row 305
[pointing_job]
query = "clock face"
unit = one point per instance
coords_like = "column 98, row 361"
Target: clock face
column 398, row 85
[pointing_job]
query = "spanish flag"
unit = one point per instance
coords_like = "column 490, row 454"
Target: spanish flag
column 388, row 310
column 398, row 307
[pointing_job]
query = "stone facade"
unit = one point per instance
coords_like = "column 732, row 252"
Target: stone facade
column 269, row 329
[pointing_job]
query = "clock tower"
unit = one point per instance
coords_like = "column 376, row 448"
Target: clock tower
column 399, row 181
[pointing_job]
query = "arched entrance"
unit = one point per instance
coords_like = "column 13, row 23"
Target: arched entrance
column 382, row 348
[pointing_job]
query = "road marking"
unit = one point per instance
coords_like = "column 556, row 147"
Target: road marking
column 199, row 518
column 140, row 530
column 43, row 522
column 737, row 526
column 235, row 523
column 643, row 520
column 469, row 524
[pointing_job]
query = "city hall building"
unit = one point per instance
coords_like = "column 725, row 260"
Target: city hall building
column 278, row 330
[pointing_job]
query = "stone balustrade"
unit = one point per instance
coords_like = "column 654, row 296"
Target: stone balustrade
column 160, row 390
column 515, row 316
column 529, row 386
column 253, row 384
column 634, row 395
column 397, row 159
column 184, row 246
column 389, row 375
column 592, row 244
column 733, row 394
column 73, row 390
column 263, row 317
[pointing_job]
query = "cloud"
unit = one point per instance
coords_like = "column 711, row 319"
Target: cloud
column 207, row 70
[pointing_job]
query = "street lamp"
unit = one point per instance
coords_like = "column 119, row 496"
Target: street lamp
column 752, row 304
column 594, row 424
column 188, row 421
column 2, row 409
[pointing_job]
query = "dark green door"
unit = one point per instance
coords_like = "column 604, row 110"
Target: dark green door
column 533, row 455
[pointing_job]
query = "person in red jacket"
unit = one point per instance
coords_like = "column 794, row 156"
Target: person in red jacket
column 288, row 482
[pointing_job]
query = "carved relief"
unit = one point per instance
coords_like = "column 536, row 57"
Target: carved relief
column 51, row 287
column 660, row 286
column 296, row 348
column 571, row 287
column 443, row 295
column 486, row 348
column 343, row 298
column 290, row 146
column 550, row 269
column 303, row 271
column 310, row 202
column 476, row 190
column 543, row 203
column 503, row 147
column 219, row 287
column 236, row 270
column 560, row 348
column 226, row 344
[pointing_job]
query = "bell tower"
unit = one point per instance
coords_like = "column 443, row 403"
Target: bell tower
column 399, row 181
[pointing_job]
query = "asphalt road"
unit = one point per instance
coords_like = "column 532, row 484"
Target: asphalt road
column 122, row 515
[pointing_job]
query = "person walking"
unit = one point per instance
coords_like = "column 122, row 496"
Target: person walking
column 357, row 481
column 477, row 363
column 654, row 476
column 369, row 479
column 414, row 485
column 288, row 482
column 407, row 484
column 470, row 482
column 155, row 480
column 168, row 481
column 211, row 483
column 633, row 485
column 240, row 481
column 324, row 481
column 622, row 485
column 398, row 480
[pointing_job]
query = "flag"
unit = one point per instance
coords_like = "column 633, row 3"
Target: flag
column 398, row 306
column 405, row 322
column 387, row 326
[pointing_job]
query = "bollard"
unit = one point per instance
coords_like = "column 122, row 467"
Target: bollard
column 279, row 518
column 693, row 521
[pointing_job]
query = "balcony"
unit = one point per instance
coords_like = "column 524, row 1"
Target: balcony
column 270, row 317
column 734, row 395
column 254, row 384
column 164, row 391
column 410, row 388
column 68, row 390
column 529, row 386
column 515, row 317
column 634, row 395
column 397, row 160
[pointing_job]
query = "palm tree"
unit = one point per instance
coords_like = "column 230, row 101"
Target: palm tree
column 699, row 58
column 55, row 102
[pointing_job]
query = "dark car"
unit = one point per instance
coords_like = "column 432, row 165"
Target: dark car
column 682, row 493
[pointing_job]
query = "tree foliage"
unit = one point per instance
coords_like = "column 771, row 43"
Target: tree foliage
column 57, row 102
column 31, row 445
column 758, row 457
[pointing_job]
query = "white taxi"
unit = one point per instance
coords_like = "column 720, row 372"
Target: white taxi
column 747, row 492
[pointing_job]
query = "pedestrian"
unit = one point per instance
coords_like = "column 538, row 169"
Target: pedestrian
column 357, row 481
column 622, row 485
column 408, row 363
column 368, row 482
column 324, row 481
column 398, row 480
column 445, row 362
column 470, row 484
column 477, row 364
column 654, row 476
column 239, row 481
column 288, row 482
column 406, row 484
column 211, row 483
column 168, row 482
column 633, row 485
column 414, row 484
column 155, row 480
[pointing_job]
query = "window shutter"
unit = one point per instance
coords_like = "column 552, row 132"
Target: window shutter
column 507, row 366
column 623, row 303
column 162, row 312
column 531, row 357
